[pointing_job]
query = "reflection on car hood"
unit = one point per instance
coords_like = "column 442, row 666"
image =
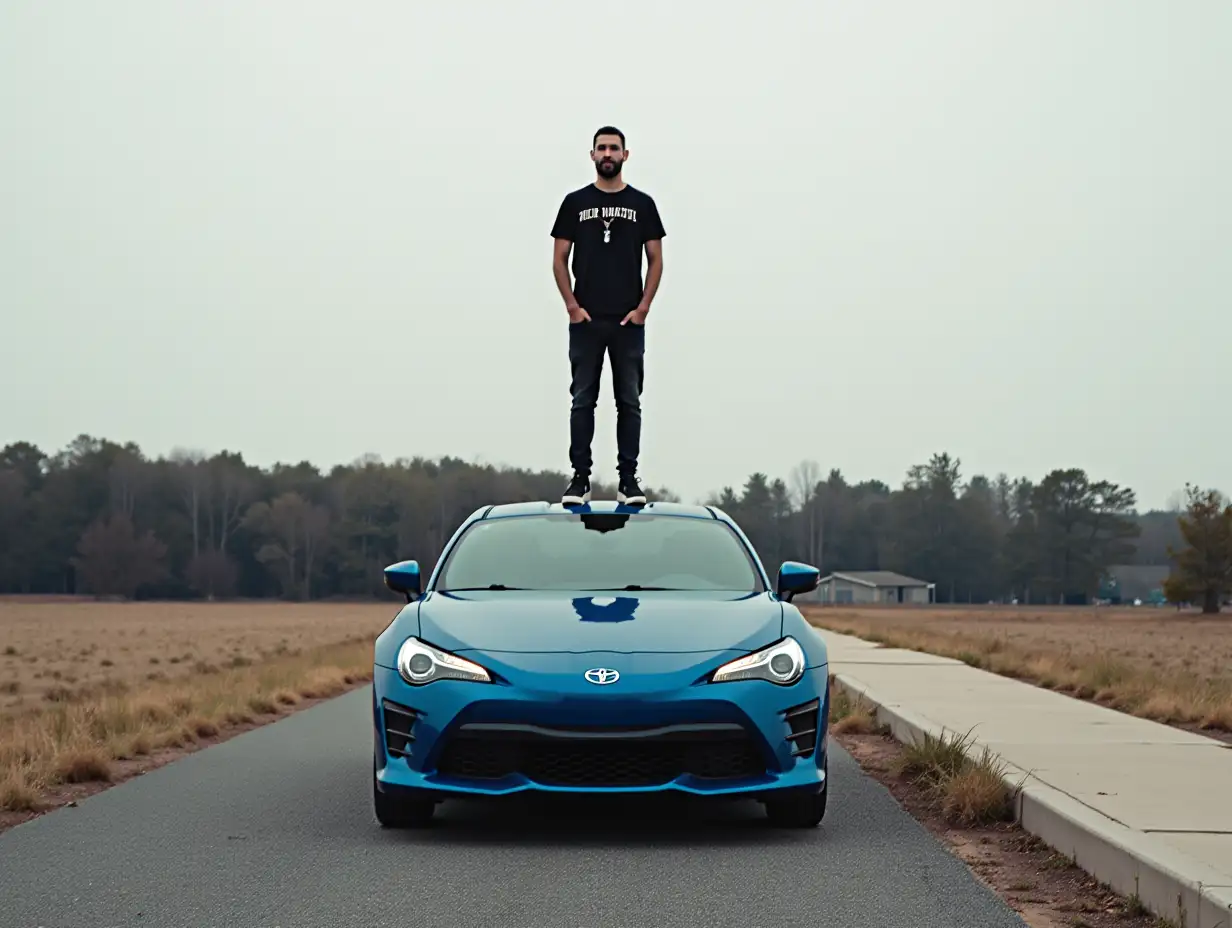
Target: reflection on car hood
column 545, row 621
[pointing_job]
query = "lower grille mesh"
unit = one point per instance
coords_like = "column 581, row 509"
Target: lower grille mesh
column 601, row 762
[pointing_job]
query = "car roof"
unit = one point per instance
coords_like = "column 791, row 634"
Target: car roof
column 545, row 507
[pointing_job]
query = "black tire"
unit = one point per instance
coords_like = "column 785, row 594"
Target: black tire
column 400, row 811
column 804, row 809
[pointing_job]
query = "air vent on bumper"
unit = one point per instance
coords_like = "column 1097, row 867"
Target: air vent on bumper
column 399, row 724
column 802, row 728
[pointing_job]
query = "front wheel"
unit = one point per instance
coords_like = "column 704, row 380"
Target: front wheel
column 399, row 811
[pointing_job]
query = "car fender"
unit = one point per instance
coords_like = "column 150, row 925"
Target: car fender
column 405, row 624
column 816, row 653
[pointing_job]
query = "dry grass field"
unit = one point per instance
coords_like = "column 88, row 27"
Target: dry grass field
column 1159, row 664
column 91, row 692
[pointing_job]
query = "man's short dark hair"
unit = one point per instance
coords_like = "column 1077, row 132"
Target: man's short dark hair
column 608, row 130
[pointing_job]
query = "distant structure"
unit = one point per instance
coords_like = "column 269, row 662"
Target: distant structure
column 874, row 586
column 1125, row 584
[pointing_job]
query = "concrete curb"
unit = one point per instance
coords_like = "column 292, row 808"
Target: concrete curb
column 1167, row 882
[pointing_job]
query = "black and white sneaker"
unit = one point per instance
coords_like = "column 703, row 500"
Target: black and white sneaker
column 578, row 491
column 629, row 493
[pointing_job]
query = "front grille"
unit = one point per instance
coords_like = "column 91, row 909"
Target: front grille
column 399, row 725
column 598, row 758
column 802, row 728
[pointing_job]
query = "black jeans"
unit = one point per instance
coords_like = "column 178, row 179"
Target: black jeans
column 625, row 346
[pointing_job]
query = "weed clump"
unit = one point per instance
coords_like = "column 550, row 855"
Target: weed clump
column 851, row 717
column 965, row 790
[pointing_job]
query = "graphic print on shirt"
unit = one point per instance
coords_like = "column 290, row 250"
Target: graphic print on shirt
column 607, row 235
column 608, row 214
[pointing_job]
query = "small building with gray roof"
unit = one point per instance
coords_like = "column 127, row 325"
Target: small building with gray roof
column 873, row 587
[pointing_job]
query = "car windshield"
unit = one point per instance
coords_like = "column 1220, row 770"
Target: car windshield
column 599, row 551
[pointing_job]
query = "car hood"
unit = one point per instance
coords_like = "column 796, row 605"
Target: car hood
column 618, row 622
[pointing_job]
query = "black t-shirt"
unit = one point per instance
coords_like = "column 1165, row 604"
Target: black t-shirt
column 609, row 232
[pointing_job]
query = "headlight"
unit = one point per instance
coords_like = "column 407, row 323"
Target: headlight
column 781, row 663
column 421, row 663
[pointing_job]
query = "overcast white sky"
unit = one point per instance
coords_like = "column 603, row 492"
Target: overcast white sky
column 309, row 230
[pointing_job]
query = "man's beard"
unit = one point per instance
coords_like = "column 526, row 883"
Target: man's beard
column 610, row 168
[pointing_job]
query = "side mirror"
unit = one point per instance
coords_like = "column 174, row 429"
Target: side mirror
column 403, row 577
column 795, row 577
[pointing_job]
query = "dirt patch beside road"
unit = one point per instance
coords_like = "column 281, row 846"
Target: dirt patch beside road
column 955, row 803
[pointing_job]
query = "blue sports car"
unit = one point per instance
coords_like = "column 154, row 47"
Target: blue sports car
column 600, row 648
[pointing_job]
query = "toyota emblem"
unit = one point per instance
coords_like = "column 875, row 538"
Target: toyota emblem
column 602, row 676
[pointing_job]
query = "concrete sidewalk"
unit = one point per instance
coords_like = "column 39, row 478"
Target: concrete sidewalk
column 1143, row 807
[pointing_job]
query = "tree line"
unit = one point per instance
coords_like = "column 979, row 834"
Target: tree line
column 102, row 518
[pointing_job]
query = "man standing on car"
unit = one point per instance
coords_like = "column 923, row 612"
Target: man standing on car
column 608, row 224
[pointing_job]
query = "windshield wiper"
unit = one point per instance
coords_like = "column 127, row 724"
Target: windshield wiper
column 637, row 587
column 490, row 586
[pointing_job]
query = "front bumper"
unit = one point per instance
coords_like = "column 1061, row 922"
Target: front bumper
column 455, row 739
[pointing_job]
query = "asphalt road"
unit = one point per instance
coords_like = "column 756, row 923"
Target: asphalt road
column 275, row 828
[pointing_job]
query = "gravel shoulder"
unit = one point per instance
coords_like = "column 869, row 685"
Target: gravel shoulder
column 1045, row 888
